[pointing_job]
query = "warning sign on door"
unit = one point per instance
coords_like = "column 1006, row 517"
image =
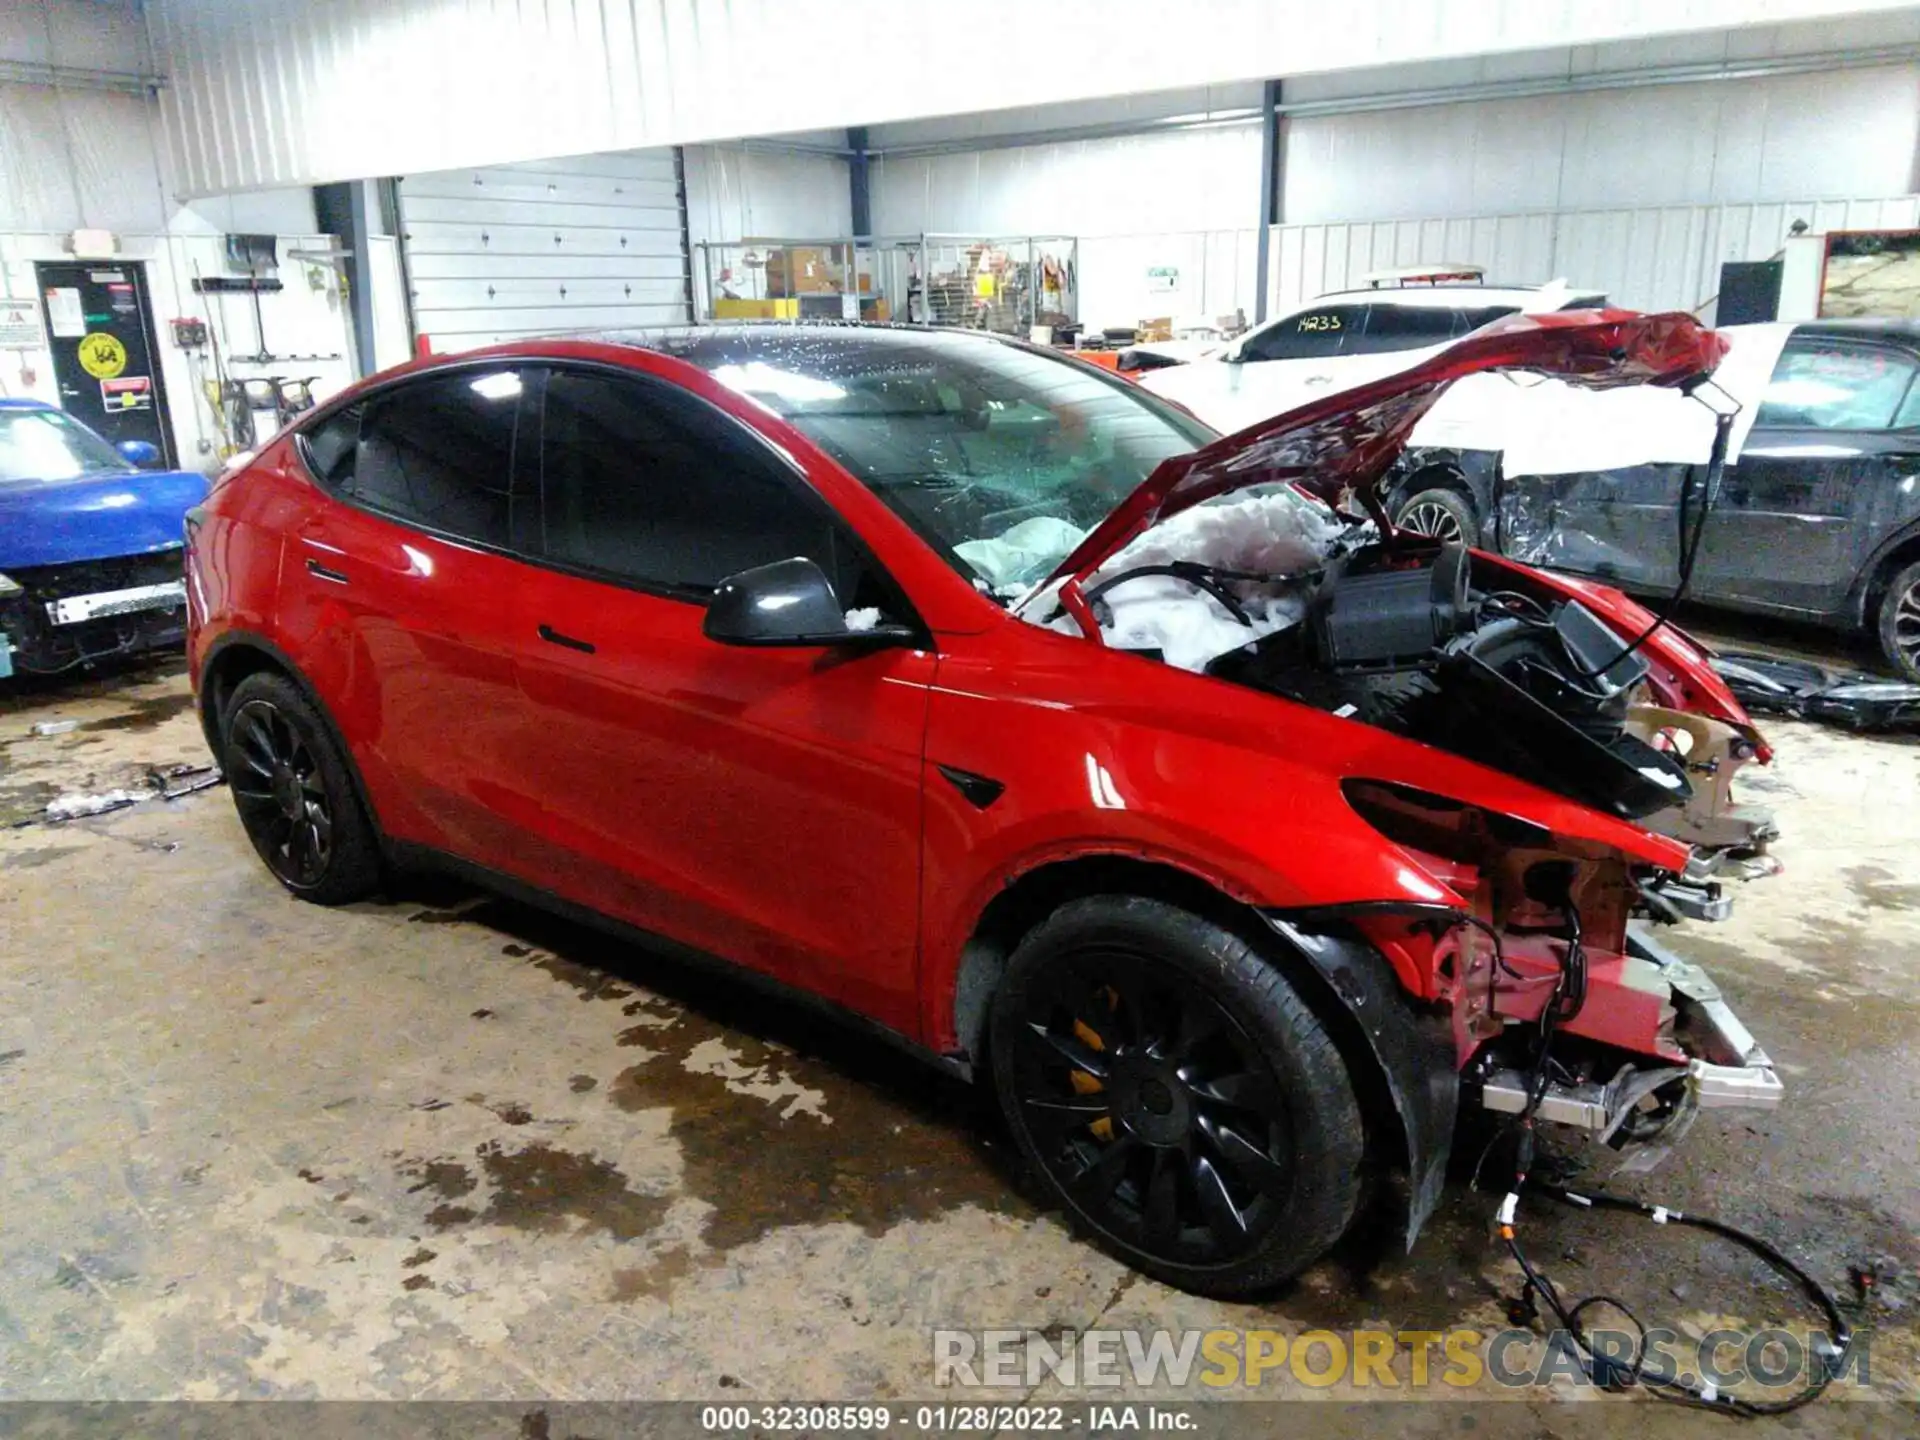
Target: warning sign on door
column 102, row 355
column 65, row 314
column 20, row 326
column 129, row 392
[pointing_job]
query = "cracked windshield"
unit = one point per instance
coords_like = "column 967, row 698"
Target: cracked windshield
column 1000, row 458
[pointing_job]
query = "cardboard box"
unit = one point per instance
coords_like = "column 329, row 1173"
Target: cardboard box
column 729, row 309
column 804, row 270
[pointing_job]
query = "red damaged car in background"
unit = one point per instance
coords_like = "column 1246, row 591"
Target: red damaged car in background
column 1242, row 843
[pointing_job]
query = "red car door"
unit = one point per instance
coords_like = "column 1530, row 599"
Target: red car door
column 759, row 804
column 395, row 600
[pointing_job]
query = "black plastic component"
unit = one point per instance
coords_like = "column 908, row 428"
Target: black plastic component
column 790, row 602
column 1491, row 718
column 1849, row 698
column 980, row 790
column 1392, row 617
column 1414, row 1051
column 1601, row 654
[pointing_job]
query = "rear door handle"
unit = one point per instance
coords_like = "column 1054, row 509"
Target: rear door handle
column 554, row 637
column 321, row 572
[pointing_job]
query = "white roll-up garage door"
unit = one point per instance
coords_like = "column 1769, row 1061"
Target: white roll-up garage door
column 547, row 247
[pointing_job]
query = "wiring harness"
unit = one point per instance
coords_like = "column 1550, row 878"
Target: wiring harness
column 1608, row 1371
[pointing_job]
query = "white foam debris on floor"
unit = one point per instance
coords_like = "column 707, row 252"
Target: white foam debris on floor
column 74, row 807
column 1275, row 532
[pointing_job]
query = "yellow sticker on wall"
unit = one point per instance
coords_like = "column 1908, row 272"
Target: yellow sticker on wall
column 102, row 355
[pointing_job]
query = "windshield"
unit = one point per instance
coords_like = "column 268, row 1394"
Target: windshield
column 1001, row 458
column 50, row 445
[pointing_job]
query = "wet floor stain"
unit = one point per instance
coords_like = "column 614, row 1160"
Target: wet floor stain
column 542, row 1188
column 865, row 1138
column 652, row 1281
column 141, row 713
column 1880, row 889
column 878, row 1139
column 45, row 855
column 22, row 801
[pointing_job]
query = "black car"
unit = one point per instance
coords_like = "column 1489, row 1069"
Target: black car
column 1818, row 517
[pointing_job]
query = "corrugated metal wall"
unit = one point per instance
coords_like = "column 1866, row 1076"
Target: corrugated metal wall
column 1656, row 258
column 591, row 243
column 279, row 92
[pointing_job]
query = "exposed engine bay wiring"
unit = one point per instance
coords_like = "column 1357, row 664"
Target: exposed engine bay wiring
column 1607, row 1371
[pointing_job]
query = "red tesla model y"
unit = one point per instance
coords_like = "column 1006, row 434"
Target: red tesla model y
column 1238, row 841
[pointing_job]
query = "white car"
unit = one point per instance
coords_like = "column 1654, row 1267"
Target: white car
column 1342, row 340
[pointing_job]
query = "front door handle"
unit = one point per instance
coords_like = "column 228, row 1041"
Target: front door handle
column 554, row 637
column 321, row 572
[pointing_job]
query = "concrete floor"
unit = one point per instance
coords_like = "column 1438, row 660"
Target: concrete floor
column 444, row 1147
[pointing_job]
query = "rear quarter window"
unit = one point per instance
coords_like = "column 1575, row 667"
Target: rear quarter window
column 328, row 447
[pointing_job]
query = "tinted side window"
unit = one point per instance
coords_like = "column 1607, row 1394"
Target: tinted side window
column 1405, row 327
column 330, row 446
column 439, row 452
column 1311, row 334
column 1468, row 320
column 1836, row 387
column 641, row 482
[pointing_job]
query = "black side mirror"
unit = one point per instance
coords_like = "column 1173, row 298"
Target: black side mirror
column 790, row 602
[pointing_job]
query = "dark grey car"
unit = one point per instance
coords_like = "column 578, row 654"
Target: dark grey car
column 1818, row 520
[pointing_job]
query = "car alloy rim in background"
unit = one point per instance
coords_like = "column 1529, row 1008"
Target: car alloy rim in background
column 275, row 778
column 1432, row 518
column 1152, row 1108
column 1906, row 625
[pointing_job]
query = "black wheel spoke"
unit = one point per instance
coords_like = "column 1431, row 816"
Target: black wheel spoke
column 1246, row 1090
column 1162, row 1210
column 1150, row 1107
column 1198, row 1024
column 1226, row 1222
column 1071, row 1049
column 1096, row 1183
column 1247, row 1160
column 280, row 793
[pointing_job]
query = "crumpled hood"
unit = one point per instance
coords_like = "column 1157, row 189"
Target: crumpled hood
column 1349, row 440
column 94, row 517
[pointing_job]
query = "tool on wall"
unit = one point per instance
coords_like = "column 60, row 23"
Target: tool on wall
column 258, row 257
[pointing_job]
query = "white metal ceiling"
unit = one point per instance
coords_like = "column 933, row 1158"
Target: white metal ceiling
column 284, row 92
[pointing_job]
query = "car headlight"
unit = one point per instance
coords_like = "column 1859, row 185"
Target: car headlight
column 10, row 587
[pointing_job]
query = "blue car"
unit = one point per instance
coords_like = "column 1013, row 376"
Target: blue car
column 90, row 544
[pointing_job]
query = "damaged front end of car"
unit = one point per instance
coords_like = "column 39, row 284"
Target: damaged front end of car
column 1529, row 982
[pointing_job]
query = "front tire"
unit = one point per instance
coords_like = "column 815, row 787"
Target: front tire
column 1443, row 514
column 1176, row 1096
column 1900, row 621
column 294, row 793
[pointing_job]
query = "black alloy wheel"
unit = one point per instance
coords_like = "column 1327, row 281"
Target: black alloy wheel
column 1160, row 1119
column 294, row 795
column 276, row 784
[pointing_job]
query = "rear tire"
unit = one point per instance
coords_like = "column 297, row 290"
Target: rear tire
column 1900, row 621
column 1176, row 1096
column 1444, row 514
column 295, row 794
